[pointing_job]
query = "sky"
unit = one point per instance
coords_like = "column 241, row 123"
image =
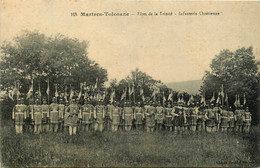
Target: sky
column 168, row 48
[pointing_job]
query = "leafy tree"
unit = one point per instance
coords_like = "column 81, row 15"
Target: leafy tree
column 59, row 59
column 238, row 73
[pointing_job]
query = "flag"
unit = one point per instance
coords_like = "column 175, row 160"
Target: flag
column 218, row 100
column 235, row 103
column 14, row 90
column 170, row 96
column 226, row 100
column 213, row 98
column 56, row 91
column 190, row 100
column 142, row 93
column 48, row 88
column 96, row 85
column 10, row 95
column 164, row 99
column 112, row 96
column 30, row 91
column 238, row 101
column 123, row 94
column 65, row 94
column 71, row 94
column 80, row 94
column 222, row 91
column 86, row 95
column 244, row 99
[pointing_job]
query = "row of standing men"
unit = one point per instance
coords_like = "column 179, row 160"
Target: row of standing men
column 64, row 116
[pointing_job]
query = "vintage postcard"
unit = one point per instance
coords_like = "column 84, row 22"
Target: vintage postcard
column 129, row 83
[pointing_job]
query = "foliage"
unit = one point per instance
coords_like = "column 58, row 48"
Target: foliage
column 59, row 59
column 238, row 72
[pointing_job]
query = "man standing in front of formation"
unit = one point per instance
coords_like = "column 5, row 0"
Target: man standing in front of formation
column 247, row 121
column 115, row 116
column 128, row 116
column 150, row 117
column 45, row 116
column 216, row 111
column 87, row 115
column 54, row 116
column 19, row 115
column 159, row 116
column 187, row 120
column 99, row 115
column 73, row 110
column 139, row 116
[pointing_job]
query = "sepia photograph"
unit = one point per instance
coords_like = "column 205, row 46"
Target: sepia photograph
column 132, row 83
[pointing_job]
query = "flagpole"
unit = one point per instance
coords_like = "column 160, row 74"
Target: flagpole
column 49, row 91
column 223, row 97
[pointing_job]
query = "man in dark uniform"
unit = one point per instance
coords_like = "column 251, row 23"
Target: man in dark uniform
column 30, row 116
column 139, row 116
column 19, row 115
column 159, row 116
column 87, row 115
column 54, row 115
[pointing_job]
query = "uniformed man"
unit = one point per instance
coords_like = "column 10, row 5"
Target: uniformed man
column 115, row 116
column 74, row 111
column 54, row 115
column 239, row 119
column 99, row 115
column 193, row 117
column 139, row 116
column 128, row 116
column 66, row 117
column 224, row 120
column 37, row 116
column 150, row 117
column 19, row 115
column 231, row 120
column 30, row 114
column 108, row 119
column 61, row 113
column 187, row 119
column 210, row 119
column 216, row 111
column 159, row 116
column 201, row 118
column 45, row 116
column 179, row 119
column 87, row 115
column 169, row 118
column 247, row 121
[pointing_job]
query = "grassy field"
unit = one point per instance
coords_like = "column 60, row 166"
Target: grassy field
column 134, row 148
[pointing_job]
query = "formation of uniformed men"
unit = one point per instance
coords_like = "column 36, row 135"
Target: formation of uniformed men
column 73, row 116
